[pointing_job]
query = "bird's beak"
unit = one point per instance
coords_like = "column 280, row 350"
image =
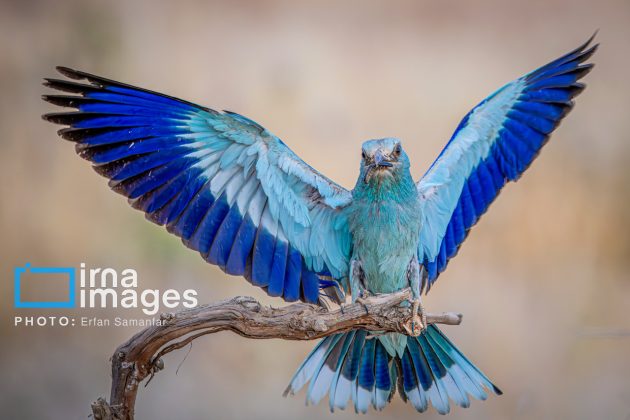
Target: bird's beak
column 379, row 160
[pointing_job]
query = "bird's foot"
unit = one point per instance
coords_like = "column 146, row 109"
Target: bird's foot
column 362, row 300
column 418, row 322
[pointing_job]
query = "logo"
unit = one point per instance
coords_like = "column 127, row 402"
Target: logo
column 71, row 288
column 19, row 274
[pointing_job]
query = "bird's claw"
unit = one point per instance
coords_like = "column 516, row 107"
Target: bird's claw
column 417, row 323
column 362, row 300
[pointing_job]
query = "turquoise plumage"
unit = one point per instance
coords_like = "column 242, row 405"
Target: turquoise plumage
column 239, row 196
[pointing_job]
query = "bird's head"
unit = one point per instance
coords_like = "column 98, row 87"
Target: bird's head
column 383, row 160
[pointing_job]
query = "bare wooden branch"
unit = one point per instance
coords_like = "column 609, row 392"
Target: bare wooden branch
column 141, row 356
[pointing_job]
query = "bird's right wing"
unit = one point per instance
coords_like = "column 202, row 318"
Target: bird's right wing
column 225, row 185
column 495, row 143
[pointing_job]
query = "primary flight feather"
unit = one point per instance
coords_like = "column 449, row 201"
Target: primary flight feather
column 236, row 193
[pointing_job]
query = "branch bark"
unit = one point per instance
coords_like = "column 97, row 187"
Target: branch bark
column 141, row 356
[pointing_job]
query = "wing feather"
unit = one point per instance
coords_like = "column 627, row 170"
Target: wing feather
column 221, row 182
column 494, row 144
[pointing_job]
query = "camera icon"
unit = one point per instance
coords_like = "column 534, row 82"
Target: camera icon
column 19, row 277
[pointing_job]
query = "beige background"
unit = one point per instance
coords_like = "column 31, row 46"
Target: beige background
column 542, row 280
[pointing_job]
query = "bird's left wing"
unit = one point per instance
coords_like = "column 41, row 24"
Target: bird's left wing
column 493, row 144
column 222, row 183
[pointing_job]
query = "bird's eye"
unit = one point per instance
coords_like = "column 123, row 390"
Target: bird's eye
column 397, row 150
column 363, row 154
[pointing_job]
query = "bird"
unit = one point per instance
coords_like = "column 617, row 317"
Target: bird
column 237, row 194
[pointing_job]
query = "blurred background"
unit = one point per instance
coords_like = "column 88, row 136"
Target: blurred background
column 542, row 281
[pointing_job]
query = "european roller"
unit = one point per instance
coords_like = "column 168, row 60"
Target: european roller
column 238, row 195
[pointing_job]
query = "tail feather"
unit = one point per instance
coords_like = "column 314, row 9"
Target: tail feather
column 414, row 387
column 466, row 375
column 477, row 376
column 340, row 363
column 322, row 376
column 383, row 384
column 307, row 369
column 349, row 371
column 428, row 377
column 454, row 377
column 365, row 380
column 358, row 366
column 439, row 376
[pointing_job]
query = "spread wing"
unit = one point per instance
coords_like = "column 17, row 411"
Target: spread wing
column 495, row 143
column 226, row 186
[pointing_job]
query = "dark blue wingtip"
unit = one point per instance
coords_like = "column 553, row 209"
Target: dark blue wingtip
column 592, row 37
column 68, row 72
column 588, row 43
column 585, row 45
column 570, row 61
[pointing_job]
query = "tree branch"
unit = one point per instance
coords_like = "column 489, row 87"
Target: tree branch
column 141, row 356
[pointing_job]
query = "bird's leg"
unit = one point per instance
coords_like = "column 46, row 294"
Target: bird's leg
column 357, row 288
column 416, row 290
column 418, row 322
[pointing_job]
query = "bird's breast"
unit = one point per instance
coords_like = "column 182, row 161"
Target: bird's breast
column 385, row 239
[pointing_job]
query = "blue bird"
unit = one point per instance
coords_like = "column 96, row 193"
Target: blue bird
column 235, row 193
